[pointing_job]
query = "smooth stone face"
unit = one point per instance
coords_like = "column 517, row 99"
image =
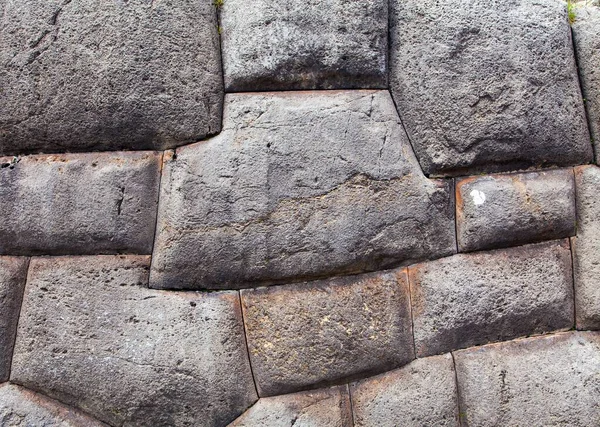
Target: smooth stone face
column 542, row 381
column 79, row 203
column 327, row 407
column 87, row 75
column 510, row 210
column 304, row 44
column 13, row 274
column 93, row 336
column 305, row 335
column 473, row 299
column 489, row 86
column 21, row 407
column 299, row 185
column 422, row 393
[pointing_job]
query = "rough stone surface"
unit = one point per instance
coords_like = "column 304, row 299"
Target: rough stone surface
column 304, row 335
column 13, row 274
column 487, row 86
column 508, row 210
column 422, row 393
column 472, row 299
column 543, row 381
column 327, row 408
column 79, row 203
column 299, row 185
column 92, row 336
column 304, row 44
column 85, row 76
column 20, row 407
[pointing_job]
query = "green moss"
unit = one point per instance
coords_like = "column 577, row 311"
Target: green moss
column 570, row 11
column 218, row 3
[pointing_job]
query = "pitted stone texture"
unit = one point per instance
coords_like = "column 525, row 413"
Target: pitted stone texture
column 508, row 210
column 13, row 274
column 22, row 407
column 304, row 44
column 489, row 86
column 472, row 299
column 422, row 393
column 326, row 407
column 92, row 336
column 305, row 335
column 542, row 381
column 586, row 248
column 299, row 185
column 87, row 76
column 79, row 203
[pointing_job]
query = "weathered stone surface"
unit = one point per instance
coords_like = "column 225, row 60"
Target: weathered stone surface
column 422, row 393
column 300, row 44
column 299, row 185
column 21, row 407
column 487, row 86
column 79, row 203
column 92, row 336
column 509, row 210
column 86, row 75
column 326, row 407
column 13, row 274
column 305, row 335
column 472, row 299
column 542, row 381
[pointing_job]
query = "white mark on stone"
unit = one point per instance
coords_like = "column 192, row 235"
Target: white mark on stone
column 478, row 197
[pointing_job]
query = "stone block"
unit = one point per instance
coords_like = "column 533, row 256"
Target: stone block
column 543, row 381
column 508, row 210
column 422, row 393
column 79, row 203
column 489, row 86
column 300, row 44
column 473, row 299
column 125, row 74
column 298, row 186
column 92, row 336
column 317, row 333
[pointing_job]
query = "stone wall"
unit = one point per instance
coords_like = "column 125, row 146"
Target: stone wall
column 308, row 213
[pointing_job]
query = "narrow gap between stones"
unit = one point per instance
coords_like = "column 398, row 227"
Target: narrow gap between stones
column 351, row 404
column 14, row 343
column 160, row 174
column 454, row 190
column 573, row 251
column 412, row 319
column 246, row 343
column 457, row 390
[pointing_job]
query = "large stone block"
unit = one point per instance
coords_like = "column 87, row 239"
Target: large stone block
column 472, row 299
column 93, row 336
column 509, row 210
column 487, row 86
column 422, row 393
column 91, row 75
column 306, row 335
column 298, row 186
column 13, row 273
column 79, row 203
column 304, row 44
column 327, row 407
column 542, row 381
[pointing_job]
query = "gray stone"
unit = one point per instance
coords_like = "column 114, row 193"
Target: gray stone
column 310, row 334
column 13, row 274
column 422, row 393
column 542, row 381
column 304, row 44
column 125, row 74
column 507, row 210
column 20, row 407
column 299, row 185
column 319, row 408
column 472, row 299
column 79, row 203
column 94, row 337
column 487, row 86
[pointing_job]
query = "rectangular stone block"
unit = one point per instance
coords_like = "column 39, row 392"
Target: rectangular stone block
column 473, row 299
column 89, row 203
column 508, row 210
column 311, row 334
